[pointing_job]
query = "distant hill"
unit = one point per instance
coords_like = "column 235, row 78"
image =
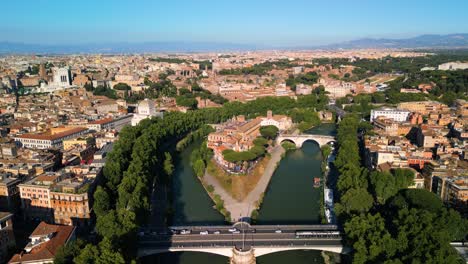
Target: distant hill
column 423, row 41
column 146, row 47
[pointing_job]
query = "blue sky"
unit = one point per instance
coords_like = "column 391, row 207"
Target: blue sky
column 268, row 22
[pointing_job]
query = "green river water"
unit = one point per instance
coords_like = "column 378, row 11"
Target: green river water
column 289, row 199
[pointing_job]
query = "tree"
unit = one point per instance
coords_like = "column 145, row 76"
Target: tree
column 356, row 201
column 102, row 201
column 122, row 87
column 352, row 177
column 417, row 198
column 66, row 253
column 108, row 254
column 260, row 141
column 370, row 238
column 403, row 178
column 88, row 255
column 269, row 132
column 188, row 102
column 383, row 186
column 89, row 86
column 168, row 166
column 422, row 238
column 199, row 167
column 116, row 224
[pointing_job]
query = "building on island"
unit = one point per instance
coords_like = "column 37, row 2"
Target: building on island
column 238, row 134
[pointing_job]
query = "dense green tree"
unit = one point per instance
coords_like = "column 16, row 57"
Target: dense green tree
column 116, row 224
column 417, row 198
column 89, row 86
column 66, row 253
column 260, row 141
column 108, row 254
column 356, row 201
column 403, row 178
column 199, row 167
column 370, row 238
column 102, row 202
column 352, row 177
column 168, row 165
column 269, row 132
column 422, row 238
column 383, row 186
column 122, row 87
column 88, row 255
column 189, row 102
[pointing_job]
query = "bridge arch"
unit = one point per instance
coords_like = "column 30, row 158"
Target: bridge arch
column 228, row 251
column 299, row 140
column 290, row 141
column 265, row 251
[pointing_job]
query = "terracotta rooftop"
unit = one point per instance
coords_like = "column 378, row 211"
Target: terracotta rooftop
column 50, row 136
column 101, row 121
column 47, row 249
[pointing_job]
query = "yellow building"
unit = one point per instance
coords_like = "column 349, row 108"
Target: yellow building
column 70, row 143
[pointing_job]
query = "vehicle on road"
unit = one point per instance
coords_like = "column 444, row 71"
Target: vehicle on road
column 253, row 230
column 232, row 229
column 185, row 232
column 236, row 232
column 204, row 233
column 278, row 231
column 216, row 232
column 330, row 234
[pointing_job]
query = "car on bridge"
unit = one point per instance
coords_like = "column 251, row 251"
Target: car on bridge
column 185, row 232
column 204, row 232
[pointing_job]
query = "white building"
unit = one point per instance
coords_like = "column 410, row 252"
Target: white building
column 395, row 114
column 145, row 109
column 61, row 80
column 51, row 139
column 302, row 89
column 282, row 122
column 452, row 66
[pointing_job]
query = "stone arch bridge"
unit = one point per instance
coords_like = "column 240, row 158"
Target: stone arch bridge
column 301, row 138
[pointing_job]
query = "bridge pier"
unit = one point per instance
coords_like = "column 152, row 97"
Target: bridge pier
column 243, row 257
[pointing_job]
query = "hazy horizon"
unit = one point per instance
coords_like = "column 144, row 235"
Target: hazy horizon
column 272, row 23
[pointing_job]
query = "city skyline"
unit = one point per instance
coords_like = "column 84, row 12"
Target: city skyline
column 272, row 23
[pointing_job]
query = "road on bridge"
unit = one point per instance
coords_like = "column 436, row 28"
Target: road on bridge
column 242, row 237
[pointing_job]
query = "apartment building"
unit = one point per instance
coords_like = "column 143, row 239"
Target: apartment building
column 51, row 139
column 7, row 237
column 116, row 123
column 9, row 193
column 63, row 197
column 390, row 113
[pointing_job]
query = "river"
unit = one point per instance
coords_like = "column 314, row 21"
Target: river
column 290, row 199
